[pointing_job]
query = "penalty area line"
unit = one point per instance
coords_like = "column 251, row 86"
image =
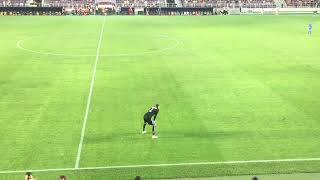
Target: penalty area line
column 161, row 165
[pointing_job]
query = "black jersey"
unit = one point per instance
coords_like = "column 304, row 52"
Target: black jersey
column 153, row 111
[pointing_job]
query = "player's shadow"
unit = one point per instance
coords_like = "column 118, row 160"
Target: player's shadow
column 116, row 137
column 137, row 136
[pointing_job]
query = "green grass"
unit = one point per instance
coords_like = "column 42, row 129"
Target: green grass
column 235, row 88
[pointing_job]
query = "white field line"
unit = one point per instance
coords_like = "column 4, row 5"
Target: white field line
column 85, row 118
column 177, row 43
column 161, row 165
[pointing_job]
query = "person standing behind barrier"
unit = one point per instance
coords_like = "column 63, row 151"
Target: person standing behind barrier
column 28, row 176
column 118, row 10
column 63, row 178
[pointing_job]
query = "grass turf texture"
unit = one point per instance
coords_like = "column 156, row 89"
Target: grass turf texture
column 236, row 88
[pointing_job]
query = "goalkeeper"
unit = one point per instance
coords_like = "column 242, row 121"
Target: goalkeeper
column 152, row 112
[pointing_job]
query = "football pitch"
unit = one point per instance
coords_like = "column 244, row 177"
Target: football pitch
column 239, row 95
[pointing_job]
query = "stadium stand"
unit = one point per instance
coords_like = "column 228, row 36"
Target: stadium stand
column 164, row 3
column 121, row 3
column 12, row 3
column 151, row 7
column 302, row 3
column 140, row 3
column 258, row 4
column 230, row 3
column 59, row 3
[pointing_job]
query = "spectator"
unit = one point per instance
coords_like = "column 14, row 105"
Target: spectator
column 255, row 178
column 137, row 178
column 118, row 10
column 63, row 178
column 28, row 176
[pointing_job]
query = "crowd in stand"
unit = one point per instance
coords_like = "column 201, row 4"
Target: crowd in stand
column 303, row 3
column 141, row 3
column 29, row 176
column 228, row 3
column 82, row 10
column 30, row 13
column 82, row 7
column 185, row 13
column 205, row 3
column 128, row 7
column 11, row 3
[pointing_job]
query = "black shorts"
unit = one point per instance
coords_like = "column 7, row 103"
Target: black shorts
column 148, row 120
